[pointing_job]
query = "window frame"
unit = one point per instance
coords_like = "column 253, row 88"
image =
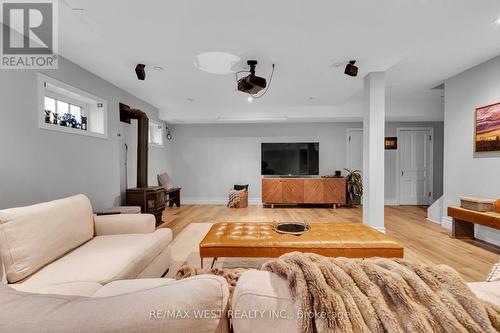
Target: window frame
column 71, row 102
column 42, row 92
column 155, row 122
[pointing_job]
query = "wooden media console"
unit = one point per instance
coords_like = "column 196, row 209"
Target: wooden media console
column 331, row 191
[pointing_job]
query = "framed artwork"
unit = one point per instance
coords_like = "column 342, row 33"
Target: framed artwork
column 487, row 129
column 391, row 143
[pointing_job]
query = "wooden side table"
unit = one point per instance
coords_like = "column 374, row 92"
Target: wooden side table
column 173, row 197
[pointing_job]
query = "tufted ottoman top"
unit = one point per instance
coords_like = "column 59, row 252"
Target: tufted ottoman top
column 247, row 239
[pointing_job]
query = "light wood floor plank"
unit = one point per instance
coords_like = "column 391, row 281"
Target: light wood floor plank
column 424, row 241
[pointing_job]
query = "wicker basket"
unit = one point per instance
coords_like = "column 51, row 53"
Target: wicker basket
column 243, row 200
column 477, row 204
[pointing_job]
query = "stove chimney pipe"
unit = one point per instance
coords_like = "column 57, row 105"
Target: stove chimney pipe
column 126, row 114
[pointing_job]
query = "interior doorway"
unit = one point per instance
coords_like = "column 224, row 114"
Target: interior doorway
column 415, row 166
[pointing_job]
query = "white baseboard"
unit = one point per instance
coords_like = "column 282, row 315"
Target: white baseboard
column 391, row 202
column 488, row 235
column 433, row 221
column 254, row 201
column 446, row 222
column 203, row 201
column 381, row 229
column 214, row 201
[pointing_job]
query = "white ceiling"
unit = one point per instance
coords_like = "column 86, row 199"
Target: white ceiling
column 419, row 43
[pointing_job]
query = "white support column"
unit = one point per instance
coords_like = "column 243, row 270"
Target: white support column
column 373, row 150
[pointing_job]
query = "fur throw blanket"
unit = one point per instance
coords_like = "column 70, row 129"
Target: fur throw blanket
column 381, row 295
column 230, row 274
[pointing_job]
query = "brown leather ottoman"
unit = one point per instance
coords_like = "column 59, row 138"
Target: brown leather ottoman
column 351, row 240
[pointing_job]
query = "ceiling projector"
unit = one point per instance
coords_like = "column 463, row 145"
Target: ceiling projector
column 351, row 69
column 251, row 84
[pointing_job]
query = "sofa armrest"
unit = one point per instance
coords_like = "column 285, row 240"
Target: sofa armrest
column 268, row 293
column 487, row 291
column 124, row 224
column 198, row 304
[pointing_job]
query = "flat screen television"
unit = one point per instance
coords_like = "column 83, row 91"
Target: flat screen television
column 290, row 159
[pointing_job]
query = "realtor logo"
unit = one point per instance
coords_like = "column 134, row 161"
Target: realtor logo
column 29, row 35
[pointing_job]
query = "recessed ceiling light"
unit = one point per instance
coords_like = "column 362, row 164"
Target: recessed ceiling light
column 157, row 68
column 216, row 62
column 250, row 99
column 338, row 64
column 311, row 98
column 190, row 99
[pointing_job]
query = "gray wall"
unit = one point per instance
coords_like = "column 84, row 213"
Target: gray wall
column 466, row 173
column 38, row 165
column 391, row 174
column 208, row 159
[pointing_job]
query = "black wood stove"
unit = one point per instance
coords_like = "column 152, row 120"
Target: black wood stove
column 151, row 199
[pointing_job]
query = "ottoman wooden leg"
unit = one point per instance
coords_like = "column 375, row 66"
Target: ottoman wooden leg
column 201, row 262
column 213, row 262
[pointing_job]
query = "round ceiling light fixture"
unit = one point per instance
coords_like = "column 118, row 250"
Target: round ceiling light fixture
column 216, row 62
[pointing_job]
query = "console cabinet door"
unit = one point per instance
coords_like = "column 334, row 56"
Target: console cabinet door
column 314, row 191
column 335, row 190
column 272, row 190
column 293, row 190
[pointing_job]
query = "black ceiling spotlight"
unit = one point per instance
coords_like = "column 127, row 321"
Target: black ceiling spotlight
column 351, row 69
column 141, row 73
column 253, row 84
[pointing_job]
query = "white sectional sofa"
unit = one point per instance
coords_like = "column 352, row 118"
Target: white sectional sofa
column 268, row 293
column 67, row 270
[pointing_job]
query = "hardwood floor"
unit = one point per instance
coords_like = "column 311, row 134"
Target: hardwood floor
column 424, row 241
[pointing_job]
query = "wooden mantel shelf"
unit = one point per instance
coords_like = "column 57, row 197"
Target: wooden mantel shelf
column 464, row 220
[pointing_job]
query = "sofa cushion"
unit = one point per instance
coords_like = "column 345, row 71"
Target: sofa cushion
column 128, row 286
column 69, row 288
column 488, row 291
column 165, row 181
column 203, row 298
column 34, row 236
column 105, row 258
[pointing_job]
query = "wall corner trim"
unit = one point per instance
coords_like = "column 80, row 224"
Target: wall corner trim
column 446, row 222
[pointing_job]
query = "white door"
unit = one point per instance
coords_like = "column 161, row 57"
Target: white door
column 355, row 149
column 415, row 167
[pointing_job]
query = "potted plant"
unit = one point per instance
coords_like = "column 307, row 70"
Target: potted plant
column 354, row 184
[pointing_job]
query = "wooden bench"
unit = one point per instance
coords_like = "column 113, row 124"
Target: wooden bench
column 465, row 219
column 173, row 197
